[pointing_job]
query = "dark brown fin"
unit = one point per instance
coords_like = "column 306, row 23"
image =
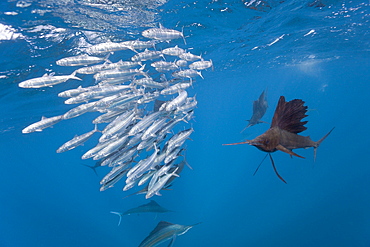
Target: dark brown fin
column 288, row 115
column 288, row 151
column 260, row 164
column 273, row 165
column 246, row 142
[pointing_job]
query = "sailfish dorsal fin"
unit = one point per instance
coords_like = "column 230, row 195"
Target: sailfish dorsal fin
column 160, row 226
column 288, row 115
column 153, row 203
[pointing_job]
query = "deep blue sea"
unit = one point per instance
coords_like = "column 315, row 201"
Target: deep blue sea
column 314, row 50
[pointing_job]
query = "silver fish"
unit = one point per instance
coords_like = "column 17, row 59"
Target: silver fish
column 106, row 47
column 187, row 73
column 145, row 122
column 107, row 66
column 163, row 34
column 160, row 184
column 76, row 141
column 146, row 55
column 113, row 179
column 138, row 44
column 149, row 82
column 47, row 80
column 173, row 51
column 117, row 73
column 42, row 124
column 178, row 101
column 79, row 110
column 200, row 65
column 79, row 60
column 189, row 57
column 72, row 92
column 176, row 88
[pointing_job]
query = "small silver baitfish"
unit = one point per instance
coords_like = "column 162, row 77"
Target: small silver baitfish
column 47, row 80
column 79, row 60
column 76, row 141
column 163, row 34
column 42, row 124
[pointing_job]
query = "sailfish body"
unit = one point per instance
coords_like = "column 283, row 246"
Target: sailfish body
column 284, row 129
column 151, row 207
column 163, row 232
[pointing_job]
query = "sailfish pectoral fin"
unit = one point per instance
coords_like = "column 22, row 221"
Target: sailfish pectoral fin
column 172, row 240
column 237, row 143
column 260, row 165
column 288, row 151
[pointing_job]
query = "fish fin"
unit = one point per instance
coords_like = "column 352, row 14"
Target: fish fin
column 288, row 115
column 260, row 164
column 319, row 142
column 172, row 240
column 96, row 129
column 183, row 37
column 158, row 194
column 186, row 163
column 93, row 168
column 160, row 226
column 276, row 172
column 246, row 142
column 120, row 216
column 288, row 151
column 246, row 127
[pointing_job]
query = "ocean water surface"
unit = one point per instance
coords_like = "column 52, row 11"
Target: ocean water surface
column 314, row 50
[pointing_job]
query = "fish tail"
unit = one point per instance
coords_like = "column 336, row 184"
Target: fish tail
column 73, row 76
column 96, row 128
column 183, row 37
column 120, row 216
column 93, row 168
column 319, row 142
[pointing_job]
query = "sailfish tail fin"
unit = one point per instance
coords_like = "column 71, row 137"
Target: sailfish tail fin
column 120, row 216
column 319, row 142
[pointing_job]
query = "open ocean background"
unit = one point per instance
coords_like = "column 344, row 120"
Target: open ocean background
column 315, row 50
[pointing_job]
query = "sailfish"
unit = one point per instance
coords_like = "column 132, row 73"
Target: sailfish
column 283, row 132
column 259, row 109
column 151, row 207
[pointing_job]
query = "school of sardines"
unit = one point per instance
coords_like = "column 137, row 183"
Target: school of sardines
column 137, row 140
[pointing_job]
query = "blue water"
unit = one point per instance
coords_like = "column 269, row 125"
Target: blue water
column 315, row 51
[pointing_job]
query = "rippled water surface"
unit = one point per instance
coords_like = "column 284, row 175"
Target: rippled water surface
column 317, row 51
